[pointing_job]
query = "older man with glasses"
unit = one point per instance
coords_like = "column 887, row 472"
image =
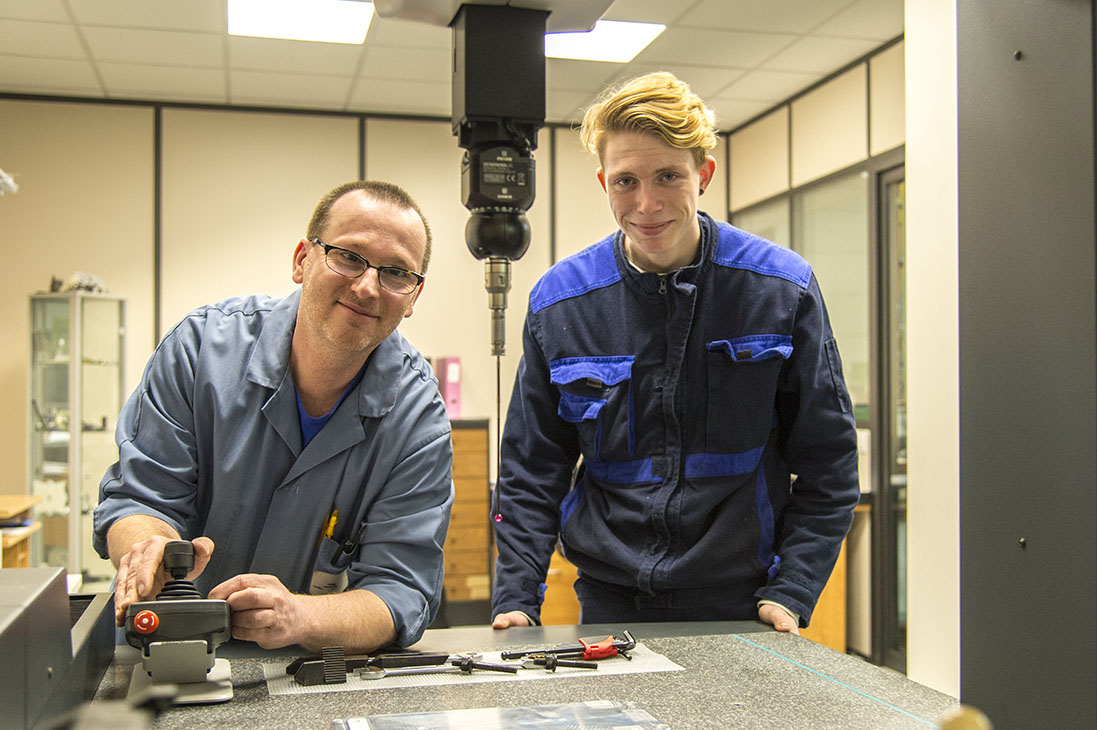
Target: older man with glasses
column 299, row 443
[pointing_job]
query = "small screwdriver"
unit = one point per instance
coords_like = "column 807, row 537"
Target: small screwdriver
column 551, row 661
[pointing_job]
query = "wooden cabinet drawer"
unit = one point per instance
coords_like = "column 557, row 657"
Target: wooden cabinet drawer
column 468, row 587
column 561, row 605
column 466, row 562
column 474, row 537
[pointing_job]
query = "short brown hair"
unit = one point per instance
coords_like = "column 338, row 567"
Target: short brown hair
column 385, row 192
column 657, row 103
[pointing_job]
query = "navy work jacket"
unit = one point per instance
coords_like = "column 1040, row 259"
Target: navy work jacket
column 717, row 441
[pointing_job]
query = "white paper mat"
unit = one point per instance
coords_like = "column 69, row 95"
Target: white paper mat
column 643, row 660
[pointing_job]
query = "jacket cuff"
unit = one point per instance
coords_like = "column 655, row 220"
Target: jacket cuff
column 793, row 591
column 528, row 602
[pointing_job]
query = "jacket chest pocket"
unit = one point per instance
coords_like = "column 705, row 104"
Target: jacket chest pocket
column 596, row 396
column 742, row 389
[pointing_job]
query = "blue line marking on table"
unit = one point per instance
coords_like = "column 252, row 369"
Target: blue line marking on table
column 832, row 679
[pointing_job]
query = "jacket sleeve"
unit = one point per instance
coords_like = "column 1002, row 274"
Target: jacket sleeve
column 538, row 455
column 157, row 471
column 819, row 444
column 400, row 557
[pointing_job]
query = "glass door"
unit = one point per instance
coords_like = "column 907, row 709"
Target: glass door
column 891, row 504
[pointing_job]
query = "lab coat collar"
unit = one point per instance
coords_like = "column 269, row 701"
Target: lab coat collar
column 270, row 358
column 374, row 397
column 269, row 365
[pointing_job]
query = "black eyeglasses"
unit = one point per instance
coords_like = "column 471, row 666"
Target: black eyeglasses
column 349, row 264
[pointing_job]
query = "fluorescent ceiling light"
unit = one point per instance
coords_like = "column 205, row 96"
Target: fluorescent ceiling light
column 328, row 21
column 610, row 40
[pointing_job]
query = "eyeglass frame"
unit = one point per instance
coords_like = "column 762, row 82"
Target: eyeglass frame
column 328, row 248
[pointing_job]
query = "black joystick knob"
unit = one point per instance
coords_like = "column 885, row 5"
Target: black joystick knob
column 179, row 558
column 178, row 561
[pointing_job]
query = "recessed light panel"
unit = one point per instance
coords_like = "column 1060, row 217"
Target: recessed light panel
column 610, row 40
column 327, row 21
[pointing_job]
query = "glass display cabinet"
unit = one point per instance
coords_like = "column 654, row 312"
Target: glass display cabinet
column 77, row 345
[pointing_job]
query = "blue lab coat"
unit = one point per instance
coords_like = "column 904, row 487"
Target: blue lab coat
column 210, row 442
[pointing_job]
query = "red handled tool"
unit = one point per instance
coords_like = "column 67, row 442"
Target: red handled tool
column 587, row 649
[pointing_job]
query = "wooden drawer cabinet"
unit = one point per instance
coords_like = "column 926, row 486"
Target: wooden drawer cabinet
column 469, row 547
column 468, row 542
column 561, row 606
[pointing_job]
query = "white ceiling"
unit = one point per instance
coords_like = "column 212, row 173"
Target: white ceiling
column 741, row 56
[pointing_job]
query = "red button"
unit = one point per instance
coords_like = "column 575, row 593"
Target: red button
column 146, row 622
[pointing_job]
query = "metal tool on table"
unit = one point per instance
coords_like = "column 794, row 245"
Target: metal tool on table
column 587, row 649
column 332, row 667
column 379, row 673
column 549, row 662
column 464, row 664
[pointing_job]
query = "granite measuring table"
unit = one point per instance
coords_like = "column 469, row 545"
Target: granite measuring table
column 736, row 675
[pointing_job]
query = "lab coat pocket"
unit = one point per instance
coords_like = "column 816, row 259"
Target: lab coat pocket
column 742, row 386
column 329, row 574
column 596, row 396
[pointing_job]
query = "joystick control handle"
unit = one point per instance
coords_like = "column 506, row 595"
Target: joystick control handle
column 179, row 558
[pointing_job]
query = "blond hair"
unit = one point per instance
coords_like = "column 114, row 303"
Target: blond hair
column 657, row 103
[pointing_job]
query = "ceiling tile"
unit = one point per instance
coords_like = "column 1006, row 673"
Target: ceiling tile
column 704, row 81
column 648, row 11
column 159, row 49
column 32, row 38
column 567, row 74
column 131, row 80
column 393, row 96
column 289, row 90
column 734, row 113
column 768, row 86
column 271, row 54
column 813, row 54
column 206, row 15
column 566, row 106
column 48, row 76
column 714, row 48
column 155, row 46
column 414, row 64
column 879, row 20
column 788, row 16
column 34, row 10
column 408, row 34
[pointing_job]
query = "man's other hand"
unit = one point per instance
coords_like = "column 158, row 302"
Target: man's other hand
column 264, row 610
column 506, row 620
column 141, row 573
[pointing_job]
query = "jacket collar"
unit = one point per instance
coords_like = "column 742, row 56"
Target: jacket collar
column 648, row 281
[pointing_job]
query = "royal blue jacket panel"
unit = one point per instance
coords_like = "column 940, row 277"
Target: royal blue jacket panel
column 678, row 431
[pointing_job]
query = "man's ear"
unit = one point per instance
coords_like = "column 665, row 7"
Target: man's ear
column 708, row 169
column 414, row 298
column 602, row 178
column 299, row 255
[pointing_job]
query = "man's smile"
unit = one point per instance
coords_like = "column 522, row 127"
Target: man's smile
column 651, row 229
column 356, row 310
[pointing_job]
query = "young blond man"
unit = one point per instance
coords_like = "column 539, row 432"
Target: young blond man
column 674, row 377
